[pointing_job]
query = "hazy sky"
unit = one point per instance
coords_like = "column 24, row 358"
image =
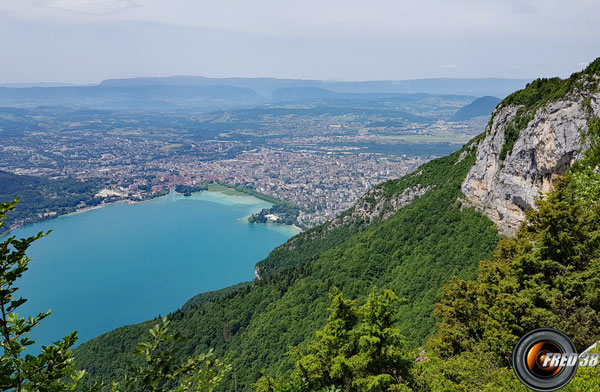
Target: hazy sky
column 86, row 41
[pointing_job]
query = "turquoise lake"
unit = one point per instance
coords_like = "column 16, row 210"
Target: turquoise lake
column 126, row 263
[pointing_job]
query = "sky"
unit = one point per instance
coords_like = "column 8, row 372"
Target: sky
column 87, row 41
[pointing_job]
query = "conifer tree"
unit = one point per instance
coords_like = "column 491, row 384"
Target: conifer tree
column 357, row 350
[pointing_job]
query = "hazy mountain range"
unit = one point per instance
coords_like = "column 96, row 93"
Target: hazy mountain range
column 198, row 91
column 266, row 86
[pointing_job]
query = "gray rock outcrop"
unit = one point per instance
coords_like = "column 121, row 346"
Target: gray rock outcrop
column 545, row 149
column 375, row 205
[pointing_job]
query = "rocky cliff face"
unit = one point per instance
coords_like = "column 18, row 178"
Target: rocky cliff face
column 374, row 205
column 550, row 143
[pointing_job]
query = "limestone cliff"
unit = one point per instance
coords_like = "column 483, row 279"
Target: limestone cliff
column 508, row 174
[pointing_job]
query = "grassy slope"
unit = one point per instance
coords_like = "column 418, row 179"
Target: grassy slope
column 413, row 252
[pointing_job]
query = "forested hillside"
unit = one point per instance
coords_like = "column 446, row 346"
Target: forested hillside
column 483, row 106
column 43, row 197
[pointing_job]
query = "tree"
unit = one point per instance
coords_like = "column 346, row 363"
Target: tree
column 380, row 346
column 51, row 370
column 358, row 349
column 326, row 362
column 161, row 371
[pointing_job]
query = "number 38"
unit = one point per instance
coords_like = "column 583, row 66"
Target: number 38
column 588, row 360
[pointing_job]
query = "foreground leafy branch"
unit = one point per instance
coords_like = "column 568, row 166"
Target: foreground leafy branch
column 51, row 370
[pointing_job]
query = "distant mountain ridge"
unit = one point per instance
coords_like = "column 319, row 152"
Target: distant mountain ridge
column 122, row 97
column 265, row 86
column 199, row 92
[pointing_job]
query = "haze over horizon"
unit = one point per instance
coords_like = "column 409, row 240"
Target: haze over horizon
column 87, row 41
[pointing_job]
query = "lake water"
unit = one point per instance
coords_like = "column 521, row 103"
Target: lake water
column 126, row 263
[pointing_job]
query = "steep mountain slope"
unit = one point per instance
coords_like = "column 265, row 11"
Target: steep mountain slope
column 411, row 235
column 534, row 136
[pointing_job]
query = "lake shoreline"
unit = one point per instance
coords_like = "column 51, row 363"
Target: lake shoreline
column 132, row 202
column 79, row 211
column 112, row 261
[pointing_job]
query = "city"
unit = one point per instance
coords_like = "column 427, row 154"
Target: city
column 315, row 158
